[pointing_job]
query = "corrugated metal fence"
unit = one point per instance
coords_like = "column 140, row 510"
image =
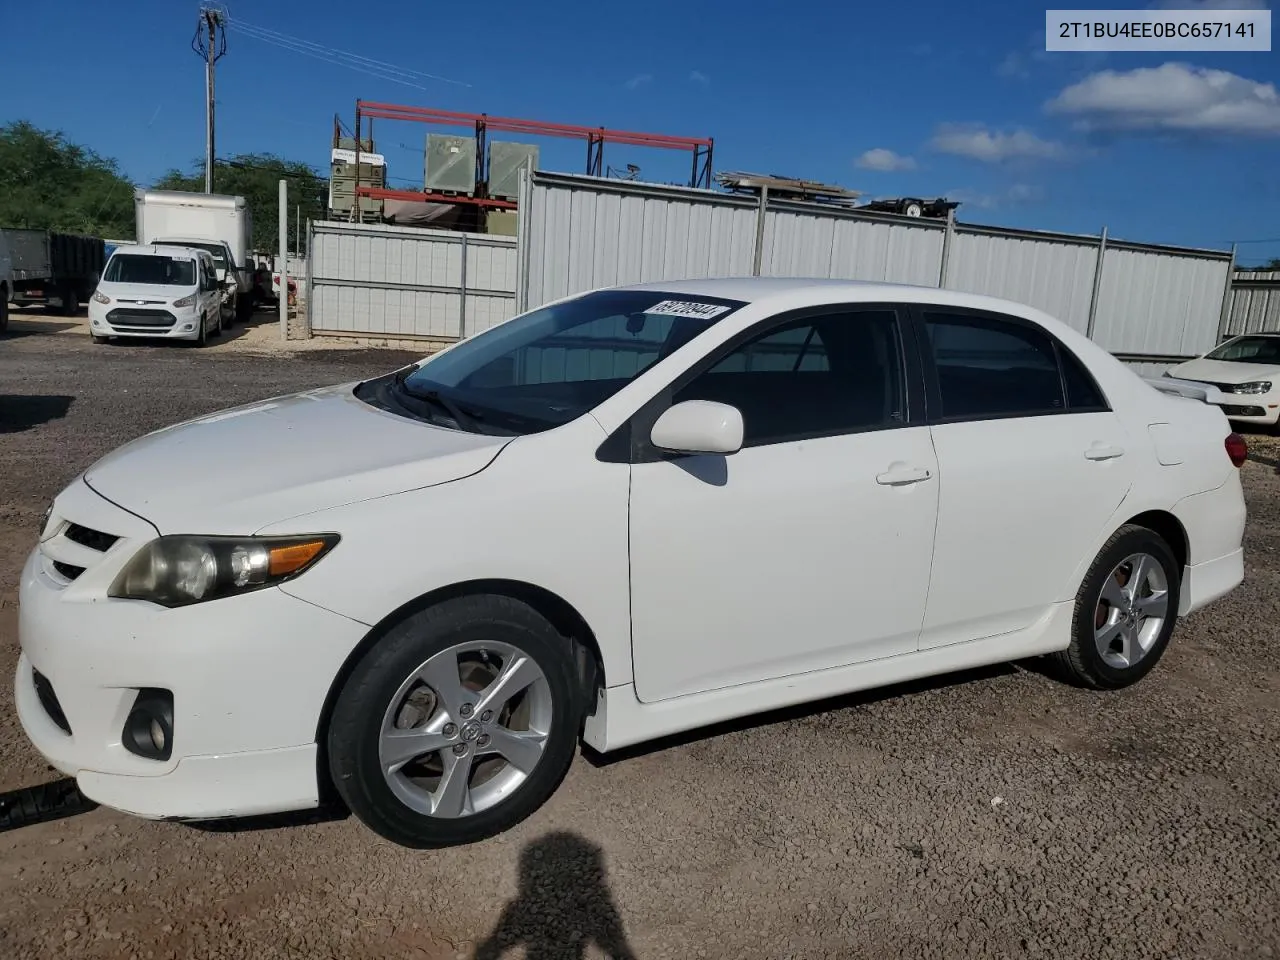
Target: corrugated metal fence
column 1255, row 303
column 1136, row 300
column 375, row 280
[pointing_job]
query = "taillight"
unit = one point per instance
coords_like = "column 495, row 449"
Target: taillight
column 1237, row 449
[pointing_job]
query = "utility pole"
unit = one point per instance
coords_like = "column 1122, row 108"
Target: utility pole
column 210, row 43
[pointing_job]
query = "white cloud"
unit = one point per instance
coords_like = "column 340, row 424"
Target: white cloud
column 884, row 160
column 1173, row 97
column 1014, row 65
column 994, row 146
column 697, row 76
column 1015, row 195
column 639, row 80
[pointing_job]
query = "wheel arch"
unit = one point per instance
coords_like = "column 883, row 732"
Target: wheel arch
column 557, row 611
column 1170, row 529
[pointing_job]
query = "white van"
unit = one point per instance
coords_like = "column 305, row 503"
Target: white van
column 155, row 290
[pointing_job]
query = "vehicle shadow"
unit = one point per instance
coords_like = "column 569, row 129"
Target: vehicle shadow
column 20, row 412
column 564, row 905
column 42, row 803
column 803, row 711
column 328, row 812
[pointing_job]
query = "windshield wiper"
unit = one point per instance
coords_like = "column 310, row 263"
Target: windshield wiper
column 464, row 419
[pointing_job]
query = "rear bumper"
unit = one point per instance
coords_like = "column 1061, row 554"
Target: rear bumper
column 1203, row 583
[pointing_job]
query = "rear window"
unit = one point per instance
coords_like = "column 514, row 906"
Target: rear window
column 150, row 269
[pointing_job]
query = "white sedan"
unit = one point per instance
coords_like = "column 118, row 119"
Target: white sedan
column 1247, row 369
column 628, row 513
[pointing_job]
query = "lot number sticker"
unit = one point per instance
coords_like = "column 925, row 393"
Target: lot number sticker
column 687, row 308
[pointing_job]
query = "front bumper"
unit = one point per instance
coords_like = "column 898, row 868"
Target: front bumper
column 185, row 324
column 249, row 676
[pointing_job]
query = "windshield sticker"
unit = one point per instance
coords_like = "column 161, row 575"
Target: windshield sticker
column 688, row 308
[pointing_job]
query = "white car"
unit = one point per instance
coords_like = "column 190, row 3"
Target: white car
column 157, row 291
column 625, row 514
column 1245, row 367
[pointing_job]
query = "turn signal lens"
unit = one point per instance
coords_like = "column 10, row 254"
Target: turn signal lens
column 283, row 561
column 1237, row 449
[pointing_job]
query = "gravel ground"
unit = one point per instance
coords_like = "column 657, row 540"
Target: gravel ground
column 994, row 814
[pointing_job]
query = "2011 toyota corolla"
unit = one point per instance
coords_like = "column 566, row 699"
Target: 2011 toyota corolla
column 627, row 513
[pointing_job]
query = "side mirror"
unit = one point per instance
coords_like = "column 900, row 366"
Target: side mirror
column 699, row 426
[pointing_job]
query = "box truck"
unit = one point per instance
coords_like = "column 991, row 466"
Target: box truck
column 218, row 223
column 53, row 269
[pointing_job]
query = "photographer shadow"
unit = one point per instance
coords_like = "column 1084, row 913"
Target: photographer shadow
column 563, row 905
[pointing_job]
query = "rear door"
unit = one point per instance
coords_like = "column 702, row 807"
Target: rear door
column 1032, row 465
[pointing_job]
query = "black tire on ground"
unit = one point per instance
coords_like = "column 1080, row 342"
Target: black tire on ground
column 355, row 726
column 244, row 309
column 217, row 330
column 202, row 338
column 98, row 339
column 70, row 302
column 1081, row 663
column 4, row 310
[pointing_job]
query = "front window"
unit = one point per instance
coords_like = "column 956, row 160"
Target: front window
column 552, row 365
column 150, row 269
column 215, row 250
column 1248, row 350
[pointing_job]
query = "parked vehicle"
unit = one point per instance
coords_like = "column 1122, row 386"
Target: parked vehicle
column 220, row 224
column 53, row 269
column 155, row 290
column 1246, row 369
column 622, row 515
column 6, row 282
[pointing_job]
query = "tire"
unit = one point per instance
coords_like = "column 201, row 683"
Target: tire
column 217, row 330
column 912, row 209
column 4, row 310
column 98, row 339
column 432, row 640
column 244, row 308
column 202, row 338
column 70, row 302
column 1084, row 663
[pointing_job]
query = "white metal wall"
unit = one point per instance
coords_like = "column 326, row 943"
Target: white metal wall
column 1255, row 303
column 1053, row 275
column 809, row 244
column 581, row 237
column 1159, row 303
column 585, row 232
column 386, row 281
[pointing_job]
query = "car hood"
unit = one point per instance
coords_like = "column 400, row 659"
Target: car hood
column 1225, row 371
column 238, row 470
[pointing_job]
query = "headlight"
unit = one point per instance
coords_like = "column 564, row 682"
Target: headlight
column 185, row 301
column 178, row 570
column 1257, row 386
column 101, row 297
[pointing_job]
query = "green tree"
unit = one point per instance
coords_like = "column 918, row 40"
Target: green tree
column 49, row 183
column 256, row 177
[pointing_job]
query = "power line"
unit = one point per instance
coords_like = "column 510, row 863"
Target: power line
column 342, row 58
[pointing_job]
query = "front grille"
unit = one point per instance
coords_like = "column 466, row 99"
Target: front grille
column 141, row 317
column 70, row 571
column 93, row 539
column 49, row 700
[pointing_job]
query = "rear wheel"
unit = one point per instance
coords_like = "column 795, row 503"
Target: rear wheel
column 70, row 302
column 1125, row 611
column 458, row 724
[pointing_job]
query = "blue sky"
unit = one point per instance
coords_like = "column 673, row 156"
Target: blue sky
column 930, row 98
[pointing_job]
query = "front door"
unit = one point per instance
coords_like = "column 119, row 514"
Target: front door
column 810, row 547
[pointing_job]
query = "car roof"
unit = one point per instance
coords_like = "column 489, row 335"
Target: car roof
column 757, row 289
column 160, row 250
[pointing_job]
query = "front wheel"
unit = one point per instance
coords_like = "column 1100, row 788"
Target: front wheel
column 1125, row 611
column 458, row 724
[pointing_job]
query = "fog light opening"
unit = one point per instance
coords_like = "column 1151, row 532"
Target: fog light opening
column 148, row 731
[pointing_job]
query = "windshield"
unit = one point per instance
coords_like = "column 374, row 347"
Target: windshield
column 150, row 269
column 552, row 365
column 1248, row 350
column 216, row 250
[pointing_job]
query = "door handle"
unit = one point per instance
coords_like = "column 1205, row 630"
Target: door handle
column 900, row 476
column 1103, row 451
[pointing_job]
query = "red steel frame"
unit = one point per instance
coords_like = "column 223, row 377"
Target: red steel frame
column 596, row 138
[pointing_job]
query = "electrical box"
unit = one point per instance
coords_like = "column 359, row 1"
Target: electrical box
column 451, row 164
column 505, row 160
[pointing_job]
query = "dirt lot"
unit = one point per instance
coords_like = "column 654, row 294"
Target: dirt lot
column 995, row 814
